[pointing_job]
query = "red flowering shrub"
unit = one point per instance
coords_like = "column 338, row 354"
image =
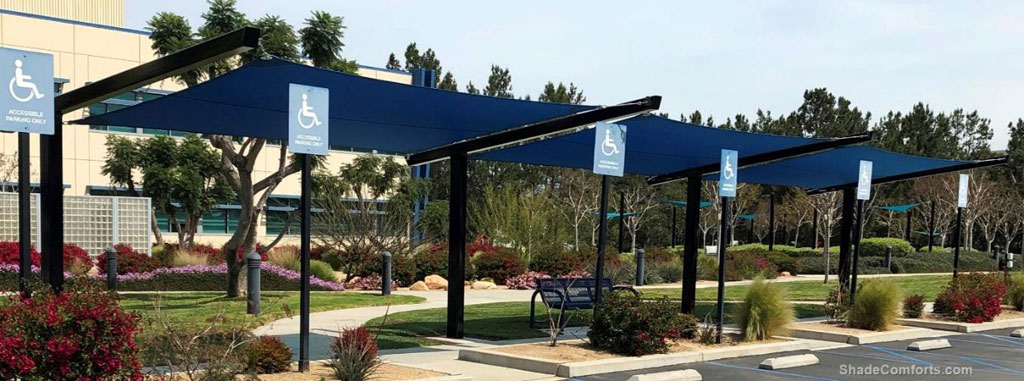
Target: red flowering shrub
column 499, row 265
column 741, row 265
column 480, row 244
column 74, row 253
column 972, row 298
column 9, row 254
column 629, row 325
column 80, row 334
column 524, row 281
column 561, row 262
column 128, row 261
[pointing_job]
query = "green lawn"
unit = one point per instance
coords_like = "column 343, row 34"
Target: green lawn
column 195, row 309
column 928, row 286
column 493, row 321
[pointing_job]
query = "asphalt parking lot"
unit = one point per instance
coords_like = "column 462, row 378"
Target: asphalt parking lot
column 988, row 355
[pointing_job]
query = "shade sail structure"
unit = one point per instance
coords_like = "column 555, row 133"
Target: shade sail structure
column 654, row 146
column 898, row 208
column 748, row 217
column 837, row 169
column 611, row 215
column 365, row 114
column 682, row 203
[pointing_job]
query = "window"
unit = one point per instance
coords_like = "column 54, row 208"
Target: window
column 125, row 100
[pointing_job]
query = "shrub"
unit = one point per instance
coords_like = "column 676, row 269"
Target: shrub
column 875, row 247
column 322, row 270
column 764, row 311
column 707, row 267
column 559, row 262
column 184, row 258
column 128, row 261
column 836, row 306
column 80, row 334
column 629, row 325
column 287, row 257
column 330, row 256
column 354, row 355
column 9, row 254
column 267, row 354
column 1015, row 291
column 748, row 265
column 973, row 297
column 654, row 255
column 913, row 306
column 213, row 278
column 669, row 271
column 785, row 262
column 876, row 305
column 525, row 281
column 434, row 260
column 499, row 265
column 73, row 254
column 403, row 269
column 371, row 282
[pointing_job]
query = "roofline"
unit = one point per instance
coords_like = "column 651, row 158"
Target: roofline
column 914, row 175
column 75, row 22
column 537, row 130
column 766, row 157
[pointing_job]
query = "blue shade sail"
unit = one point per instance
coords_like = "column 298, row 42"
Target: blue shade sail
column 898, row 208
column 682, row 203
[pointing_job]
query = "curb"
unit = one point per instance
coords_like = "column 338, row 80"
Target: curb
column 864, row 338
column 956, row 326
column 678, row 375
column 786, row 362
column 927, row 345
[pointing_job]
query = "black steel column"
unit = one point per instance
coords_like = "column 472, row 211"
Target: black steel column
column 622, row 221
column 723, row 244
column 814, row 231
column 673, row 225
column 956, row 240
column 845, row 232
column 858, row 231
column 51, row 197
column 931, row 229
column 24, row 213
column 771, row 222
column 459, row 176
column 304, row 205
column 910, row 213
column 690, row 244
column 602, row 238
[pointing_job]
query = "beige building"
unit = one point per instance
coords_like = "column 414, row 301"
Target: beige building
column 88, row 42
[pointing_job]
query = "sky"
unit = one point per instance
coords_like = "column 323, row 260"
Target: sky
column 722, row 57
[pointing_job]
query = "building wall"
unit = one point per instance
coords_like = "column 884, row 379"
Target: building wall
column 103, row 12
column 87, row 52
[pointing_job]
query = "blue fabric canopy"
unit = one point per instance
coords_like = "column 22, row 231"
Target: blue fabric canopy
column 654, row 145
column 898, row 208
column 611, row 215
column 748, row 217
column 365, row 114
column 703, row 204
column 837, row 167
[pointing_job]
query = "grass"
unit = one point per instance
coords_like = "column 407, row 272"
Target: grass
column 495, row 321
column 195, row 309
column 927, row 286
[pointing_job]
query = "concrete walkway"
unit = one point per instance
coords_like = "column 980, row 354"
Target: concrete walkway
column 795, row 278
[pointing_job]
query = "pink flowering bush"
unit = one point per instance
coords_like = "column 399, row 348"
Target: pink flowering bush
column 81, row 334
column 371, row 282
column 525, row 281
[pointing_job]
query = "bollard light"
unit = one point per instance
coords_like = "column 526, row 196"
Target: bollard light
column 253, row 283
column 639, row 267
column 385, row 274
column 111, row 268
column 888, row 257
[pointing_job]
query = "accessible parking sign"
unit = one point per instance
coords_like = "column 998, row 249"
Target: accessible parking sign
column 727, row 173
column 308, row 119
column 609, row 149
column 27, row 100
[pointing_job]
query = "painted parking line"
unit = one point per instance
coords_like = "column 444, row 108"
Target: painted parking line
column 987, row 343
column 891, row 352
column 775, row 372
column 1003, row 339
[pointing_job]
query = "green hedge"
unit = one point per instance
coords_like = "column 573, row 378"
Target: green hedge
column 875, row 247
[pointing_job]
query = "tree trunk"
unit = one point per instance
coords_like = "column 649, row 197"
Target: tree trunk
column 156, row 228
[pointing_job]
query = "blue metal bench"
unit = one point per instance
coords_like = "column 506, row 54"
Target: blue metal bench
column 569, row 294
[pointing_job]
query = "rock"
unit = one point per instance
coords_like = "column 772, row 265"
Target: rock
column 481, row 285
column 785, row 273
column 486, row 279
column 419, row 286
column 353, row 280
column 436, row 282
column 466, row 283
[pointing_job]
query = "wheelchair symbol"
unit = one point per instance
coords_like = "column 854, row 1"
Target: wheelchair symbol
column 728, row 174
column 608, row 147
column 307, row 112
column 23, row 81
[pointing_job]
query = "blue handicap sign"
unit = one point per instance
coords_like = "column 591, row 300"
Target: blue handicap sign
column 961, row 197
column 609, row 149
column 308, row 119
column 864, row 180
column 27, row 100
column 727, row 173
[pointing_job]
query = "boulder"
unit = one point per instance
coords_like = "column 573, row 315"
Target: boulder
column 436, row 282
column 785, row 273
column 419, row 286
column 353, row 280
column 482, row 285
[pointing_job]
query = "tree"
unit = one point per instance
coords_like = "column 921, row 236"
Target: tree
column 278, row 38
column 377, row 219
column 393, row 63
column 472, row 89
column 427, row 60
column 178, row 177
column 824, row 115
column 1015, row 150
column 577, row 192
column 221, row 17
column 562, row 94
column 829, row 207
column 499, row 84
column 448, row 83
column 321, row 42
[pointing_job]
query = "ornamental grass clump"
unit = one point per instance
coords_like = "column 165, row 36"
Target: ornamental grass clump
column 184, row 258
column 764, row 311
column 1015, row 292
column 876, row 305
